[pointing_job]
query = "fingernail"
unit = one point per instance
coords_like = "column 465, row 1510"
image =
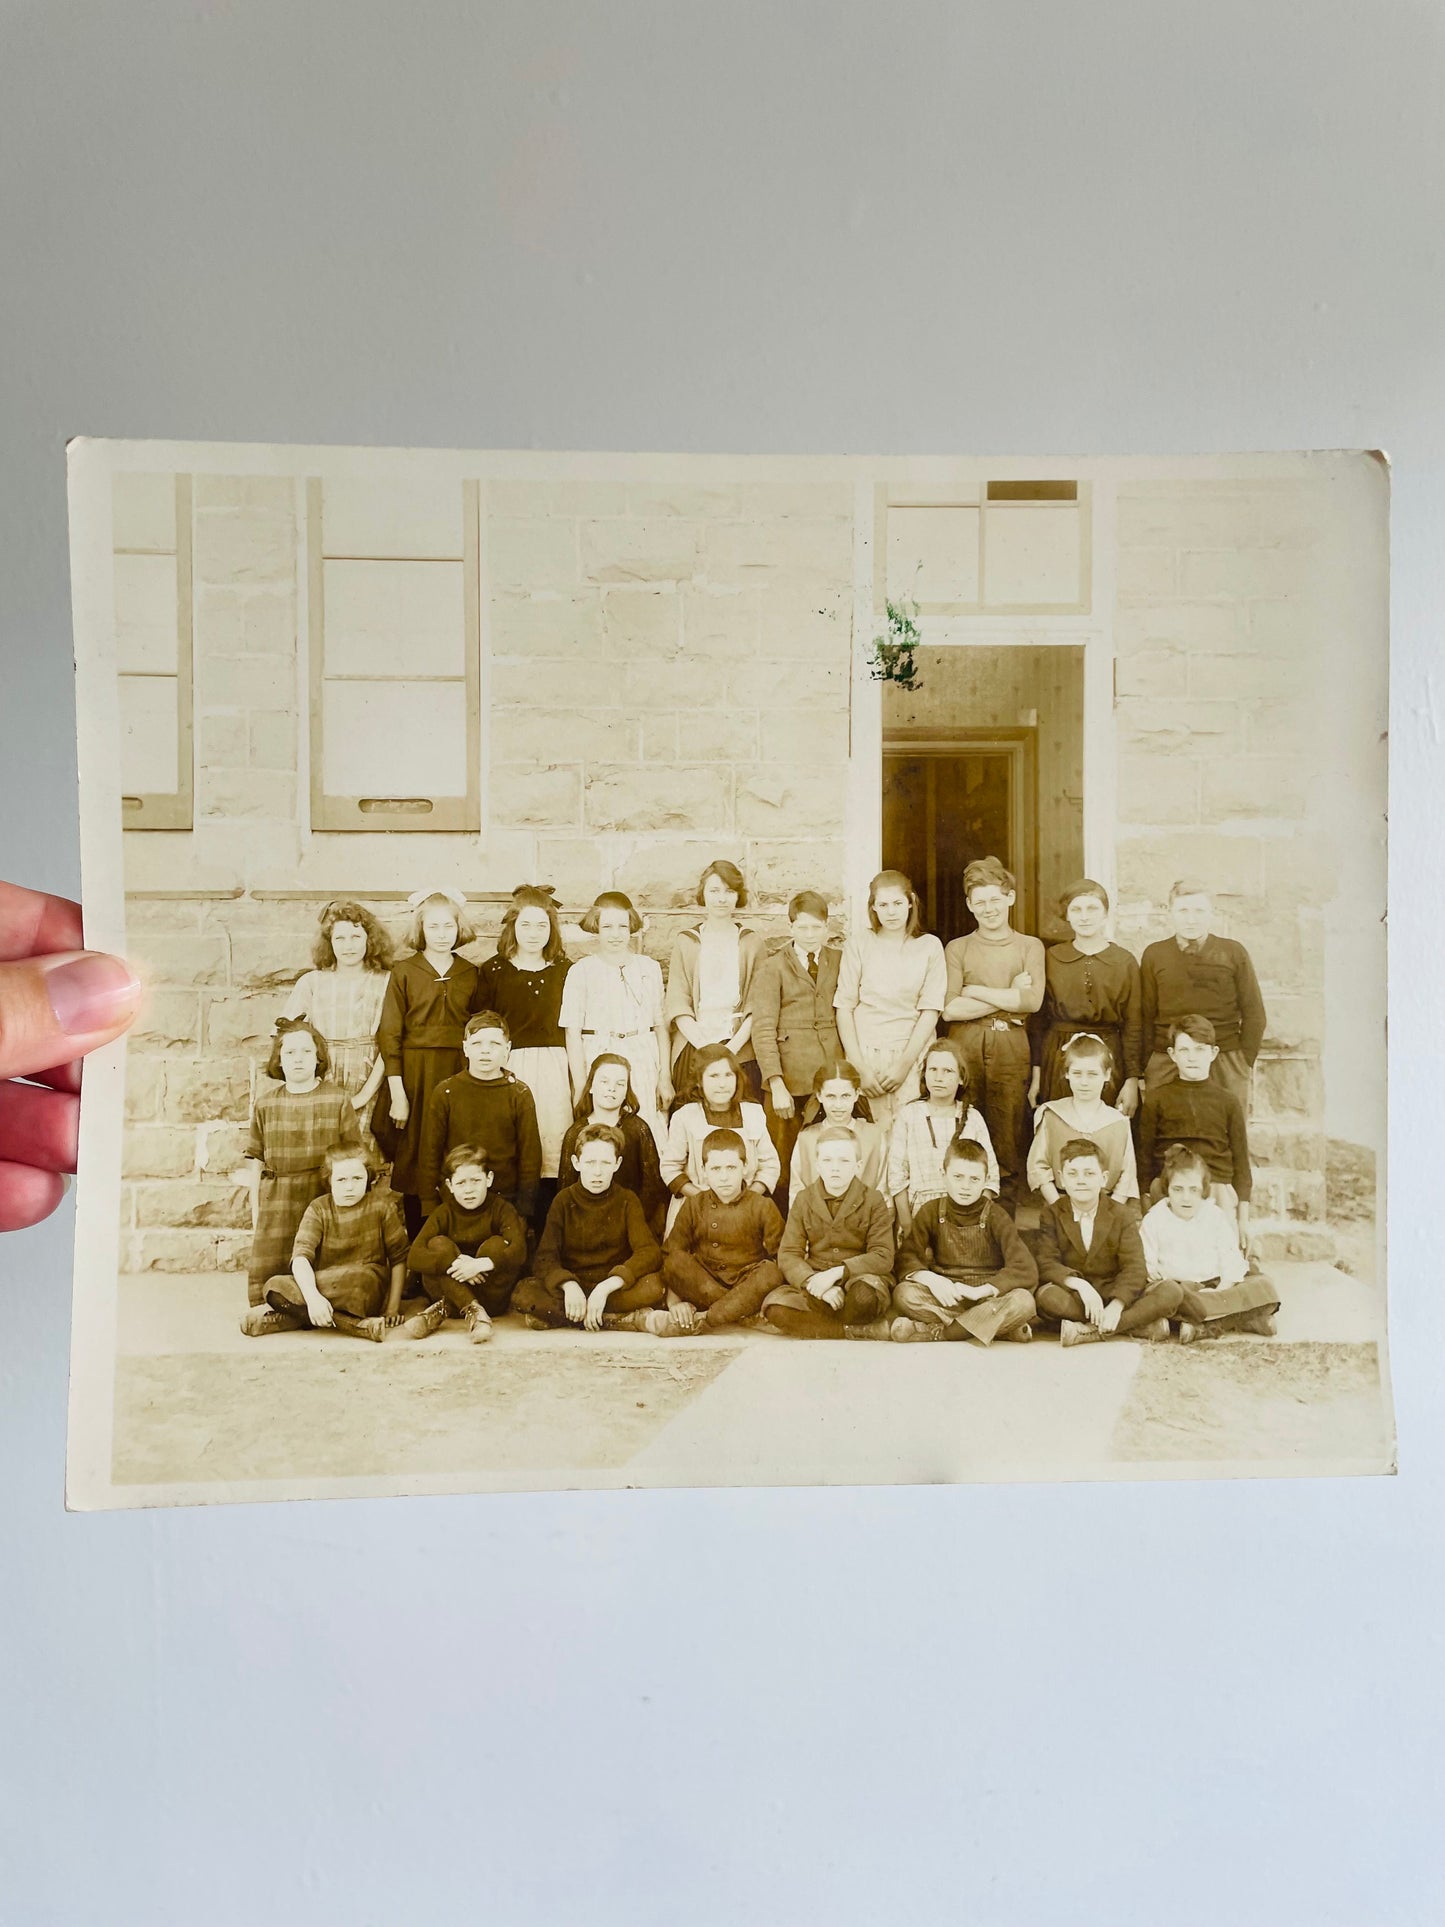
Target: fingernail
column 91, row 992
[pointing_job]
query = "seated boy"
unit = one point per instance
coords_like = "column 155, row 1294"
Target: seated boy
column 964, row 1270
column 484, row 1105
column 470, row 1252
column 348, row 1259
column 718, row 1261
column 1194, row 1109
column 1188, row 1239
column 1093, row 1283
column 597, row 1262
column 837, row 1251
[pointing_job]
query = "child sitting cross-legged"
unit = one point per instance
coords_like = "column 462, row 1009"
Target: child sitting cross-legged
column 1093, row 1283
column 964, row 1271
column 470, row 1252
column 1189, row 1239
column 348, row 1259
column 837, row 1251
column 597, row 1263
column 719, row 1260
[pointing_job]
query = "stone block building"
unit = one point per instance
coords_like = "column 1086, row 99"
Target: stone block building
column 361, row 673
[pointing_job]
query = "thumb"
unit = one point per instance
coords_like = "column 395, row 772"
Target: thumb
column 55, row 1009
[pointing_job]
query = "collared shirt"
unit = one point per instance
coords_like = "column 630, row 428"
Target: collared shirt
column 1086, row 1227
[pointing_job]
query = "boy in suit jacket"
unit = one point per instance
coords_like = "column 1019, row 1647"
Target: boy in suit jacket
column 837, row 1252
column 1093, row 1280
column 795, row 1030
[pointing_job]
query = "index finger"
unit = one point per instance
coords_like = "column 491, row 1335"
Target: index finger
column 33, row 924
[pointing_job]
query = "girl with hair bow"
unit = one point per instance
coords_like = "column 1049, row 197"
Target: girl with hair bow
column 292, row 1129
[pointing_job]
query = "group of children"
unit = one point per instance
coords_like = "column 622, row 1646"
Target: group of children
column 535, row 1166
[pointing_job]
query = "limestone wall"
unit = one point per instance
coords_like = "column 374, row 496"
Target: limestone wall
column 1249, row 674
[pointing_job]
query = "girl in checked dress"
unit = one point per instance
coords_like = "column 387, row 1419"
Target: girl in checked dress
column 342, row 997
column 292, row 1129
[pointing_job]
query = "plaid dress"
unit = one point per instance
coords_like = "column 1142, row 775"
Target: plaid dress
column 291, row 1131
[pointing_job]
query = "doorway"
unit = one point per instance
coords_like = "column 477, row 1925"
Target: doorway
column 950, row 800
column 986, row 758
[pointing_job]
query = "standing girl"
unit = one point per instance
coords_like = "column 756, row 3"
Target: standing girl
column 523, row 983
column 427, row 1003
column 892, row 983
column 716, row 1103
column 1088, row 1065
column 292, row 1129
column 612, row 1001
column 342, row 998
column 1093, row 985
column 924, row 1129
column 608, row 1098
column 708, row 979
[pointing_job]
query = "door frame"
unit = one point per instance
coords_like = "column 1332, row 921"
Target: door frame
column 1020, row 746
column 863, row 803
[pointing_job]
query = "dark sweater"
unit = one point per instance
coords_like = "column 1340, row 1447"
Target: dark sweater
column 496, row 1113
column 590, row 1238
column 854, row 1231
column 1114, row 1261
column 727, row 1239
column 639, row 1171
column 495, row 1231
column 969, row 1243
column 1219, row 983
column 1206, row 1118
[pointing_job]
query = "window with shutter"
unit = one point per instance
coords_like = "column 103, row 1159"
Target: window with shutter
column 151, row 545
column 395, row 645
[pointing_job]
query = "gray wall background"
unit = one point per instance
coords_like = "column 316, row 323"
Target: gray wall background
column 1122, row 228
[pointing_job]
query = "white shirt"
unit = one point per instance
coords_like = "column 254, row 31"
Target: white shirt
column 1191, row 1250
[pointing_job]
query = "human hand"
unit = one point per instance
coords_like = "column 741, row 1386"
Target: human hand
column 465, row 1270
column 320, row 1312
column 1127, row 1101
column 665, row 1092
column 822, row 1281
column 597, row 1303
column 1035, row 1085
column 948, row 1291
column 58, row 1001
column 574, row 1301
column 400, row 1111
column 831, row 1296
column 782, row 1098
column 977, row 1293
column 1113, row 1312
column 359, row 1104
column 1093, row 1303
column 1023, row 981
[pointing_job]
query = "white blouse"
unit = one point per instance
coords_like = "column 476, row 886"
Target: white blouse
column 690, row 1127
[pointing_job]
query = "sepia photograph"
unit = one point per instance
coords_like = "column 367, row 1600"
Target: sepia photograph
column 729, row 971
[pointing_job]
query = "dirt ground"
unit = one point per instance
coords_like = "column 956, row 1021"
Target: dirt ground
column 198, row 1404
column 1235, row 1400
